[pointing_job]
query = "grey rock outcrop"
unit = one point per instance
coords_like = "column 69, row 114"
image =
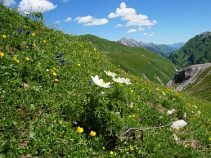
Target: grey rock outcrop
column 187, row 76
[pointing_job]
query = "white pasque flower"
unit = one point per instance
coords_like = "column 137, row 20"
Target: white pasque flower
column 122, row 80
column 127, row 81
column 27, row 13
column 169, row 112
column 178, row 124
column 111, row 74
column 100, row 82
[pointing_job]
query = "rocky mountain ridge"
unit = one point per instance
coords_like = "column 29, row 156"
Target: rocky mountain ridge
column 187, row 76
column 162, row 49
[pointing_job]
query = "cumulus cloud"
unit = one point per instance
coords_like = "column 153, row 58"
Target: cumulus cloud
column 91, row 21
column 140, row 29
column 36, row 6
column 68, row 19
column 8, row 3
column 130, row 15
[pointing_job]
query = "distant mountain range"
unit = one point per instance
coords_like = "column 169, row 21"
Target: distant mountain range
column 196, row 51
column 162, row 49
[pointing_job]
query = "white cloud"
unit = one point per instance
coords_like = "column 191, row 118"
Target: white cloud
column 36, row 5
column 91, row 21
column 8, row 3
column 132, row 18
column 118, row 26
column 140, row 29
column 68, row 19
column 132, row 30
column 65, row 1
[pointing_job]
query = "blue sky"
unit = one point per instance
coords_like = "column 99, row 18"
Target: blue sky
column 164, row 21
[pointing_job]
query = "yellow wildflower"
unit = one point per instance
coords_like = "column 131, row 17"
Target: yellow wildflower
column 17, row 61
column 33, row 34
column 4, row 36
column 78, row 65
column 54, row 68
column 54, row 73
column 210, row 139
column 131, row 148
column 14, row 58
column 111, row 152
column 44, row 41
column 27, row 58
column 1, row 54
column 103, row 148
column 92, row 133
column 56, row 80
column 79, row 129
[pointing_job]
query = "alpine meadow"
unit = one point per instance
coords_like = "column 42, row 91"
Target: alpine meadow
column 77, row 95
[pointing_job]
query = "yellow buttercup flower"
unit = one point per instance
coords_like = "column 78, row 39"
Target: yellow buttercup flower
column 27, row 58
column 111, row 152
column 79, row 130
column 33, row 34
column 56, row 80
column 1, row 54
column 78, row 65
column 92, row 133
column 54, row 68
column 54, row 73
column 131, row 148
column 4, row 36
column 103, row 148
column 14, row 58
column 17, row 61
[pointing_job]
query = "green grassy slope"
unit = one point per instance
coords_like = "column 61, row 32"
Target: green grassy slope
column 196, row 51
column 46, row 93
column 202, row 86
column 136, row 60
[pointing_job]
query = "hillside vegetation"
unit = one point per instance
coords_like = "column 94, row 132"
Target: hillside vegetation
column 50, row 106
column 139, row 61
column 196, row 51
column 202, row 86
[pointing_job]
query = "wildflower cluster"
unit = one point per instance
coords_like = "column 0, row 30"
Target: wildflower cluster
column 80, row 130
column 100, row 82
column 15, row 59
column 53, row 72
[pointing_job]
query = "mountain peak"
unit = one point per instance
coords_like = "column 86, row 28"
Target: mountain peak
column 195, row 51
column 162, row 49
column 207, row 33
